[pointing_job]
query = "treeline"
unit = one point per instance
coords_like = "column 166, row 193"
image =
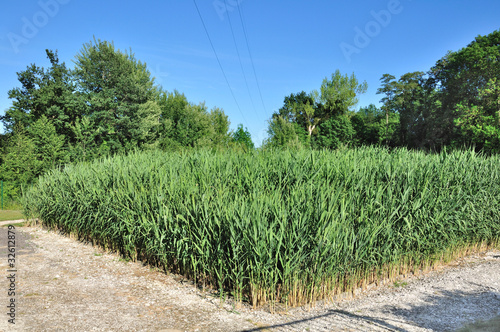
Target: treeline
column 107, row 104
column 455, row 104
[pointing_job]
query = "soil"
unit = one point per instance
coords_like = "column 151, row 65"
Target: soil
column 66, row 285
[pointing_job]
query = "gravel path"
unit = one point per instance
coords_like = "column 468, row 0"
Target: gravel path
column 65, row 285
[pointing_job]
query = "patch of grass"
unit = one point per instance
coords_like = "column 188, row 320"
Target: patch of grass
column 11, row 215
column 19, row 224
column 400, row 283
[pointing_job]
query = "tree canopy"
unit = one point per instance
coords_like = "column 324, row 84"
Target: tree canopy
column 299, row 120
column 108, row 103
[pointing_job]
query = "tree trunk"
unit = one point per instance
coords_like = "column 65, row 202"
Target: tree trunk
column 386, row 127
column 310, row 129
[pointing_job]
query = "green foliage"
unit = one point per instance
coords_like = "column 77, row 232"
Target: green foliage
column 410, row 104
column 457, row 103
column 49, row 149
column 368, row 126
column 339, row 94
column 275, row 225
column 335, row 132
column 292, row 109
column 409, row 99
column 477, row 129
column 29, row 153
column 194, row 126
column 84, row 147
column 468, row 91
column 220, row 124
column 20, row 164
column 305, row 113
column 120, row 95
column 242, row 137
column 3, row 144
column 50, row 93
column 479, row 125
column 301, row 108
column 283, row 133
column 183, row 124
column 108, row 104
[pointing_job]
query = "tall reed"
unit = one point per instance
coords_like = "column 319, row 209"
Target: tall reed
column 279, row 226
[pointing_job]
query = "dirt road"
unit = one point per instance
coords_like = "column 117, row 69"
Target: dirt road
column 65, row 285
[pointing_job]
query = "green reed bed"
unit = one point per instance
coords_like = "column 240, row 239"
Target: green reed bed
column 268, row 227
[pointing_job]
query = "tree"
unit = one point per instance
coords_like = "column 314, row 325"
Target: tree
column 3, row 145
column 490, row 95
column 389, row 89
column 84, row 147
column 467, row 88
column 410, row 102
column 284, row 133
column 306, row 112
column 120, row 94
column 242, row 138
column 335, row 131
column 474, row 129
column 173, row 105
column 340, row 94
column 50, row 93
column 20, row 164
column 194, row 129
column 479, row 125
column 335, row 103
column 369, row 125
column 301, row 108
column 49, row 150
column 220, row 124
column 183, row 124
column 146, row 124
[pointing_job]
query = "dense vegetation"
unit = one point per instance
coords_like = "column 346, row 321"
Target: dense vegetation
column 108, row 104
column 454, row 104
column 334, row 198
column 279, row 226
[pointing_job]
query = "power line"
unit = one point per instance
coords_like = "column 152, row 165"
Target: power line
column 239, row 57
column 251, row 59
column 218, row 61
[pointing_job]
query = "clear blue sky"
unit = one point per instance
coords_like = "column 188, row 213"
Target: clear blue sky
column 294, row 45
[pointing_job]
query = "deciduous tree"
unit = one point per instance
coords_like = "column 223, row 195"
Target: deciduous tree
column 242, row 138
column 120, row 94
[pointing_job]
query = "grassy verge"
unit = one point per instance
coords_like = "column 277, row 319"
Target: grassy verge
column 11, row 215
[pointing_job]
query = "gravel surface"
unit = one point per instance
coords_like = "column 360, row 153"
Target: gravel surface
column 66, row 285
